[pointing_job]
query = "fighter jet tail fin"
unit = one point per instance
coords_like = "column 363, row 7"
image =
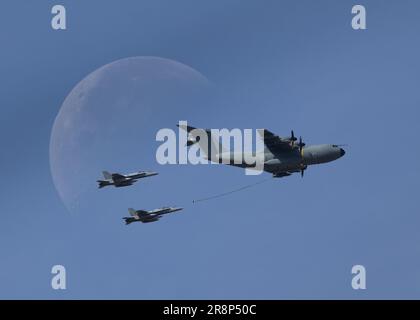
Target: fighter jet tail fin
column 107, row 175
column 132, row 212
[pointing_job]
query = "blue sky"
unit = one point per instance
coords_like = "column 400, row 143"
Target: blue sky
column 278, row 64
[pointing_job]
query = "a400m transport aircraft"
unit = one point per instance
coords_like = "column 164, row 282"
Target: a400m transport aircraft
column 282, row 156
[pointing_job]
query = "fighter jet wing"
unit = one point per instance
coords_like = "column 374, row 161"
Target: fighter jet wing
column 142, row 213
column 117, row 176
column 274, row 142
column 152, row 219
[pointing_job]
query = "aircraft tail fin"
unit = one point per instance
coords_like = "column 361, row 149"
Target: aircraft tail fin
column 132, row 212
column 208, row 147
column 107, row 175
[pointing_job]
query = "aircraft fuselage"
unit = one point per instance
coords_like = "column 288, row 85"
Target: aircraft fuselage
column 288, row 161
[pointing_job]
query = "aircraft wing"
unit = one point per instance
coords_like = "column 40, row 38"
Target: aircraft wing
column 117, row 176
column 151, row 219
column 142, row 213
column 275, row 143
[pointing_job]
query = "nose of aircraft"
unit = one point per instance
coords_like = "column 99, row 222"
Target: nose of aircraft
column 342, row 152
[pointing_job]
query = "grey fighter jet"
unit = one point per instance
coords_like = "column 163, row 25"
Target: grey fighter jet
column 282, row 156
column 148, row 216
column 122, row 180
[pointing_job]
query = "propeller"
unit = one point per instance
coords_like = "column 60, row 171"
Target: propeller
column 301, row 144
column 302, row 165
column 293, row 138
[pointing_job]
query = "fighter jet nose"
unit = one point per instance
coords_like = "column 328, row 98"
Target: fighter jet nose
column 342, row 152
